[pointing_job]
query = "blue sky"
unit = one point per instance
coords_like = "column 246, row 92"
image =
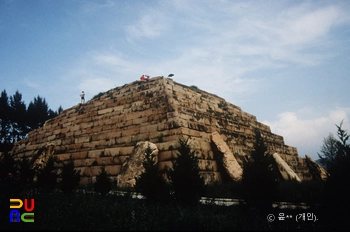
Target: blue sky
column 286, row 62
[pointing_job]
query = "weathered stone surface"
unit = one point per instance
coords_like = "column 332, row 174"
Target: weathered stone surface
column 39, row 160
column 232, row 167
column 315, row 169
column 298, row 165
column 159, row 111
column 132, row 168
column 286, row 172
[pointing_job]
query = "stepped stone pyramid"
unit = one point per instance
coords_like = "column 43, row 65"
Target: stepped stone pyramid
column 105, row 131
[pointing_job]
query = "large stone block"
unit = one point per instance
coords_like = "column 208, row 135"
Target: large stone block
column 63, row 157
column 234, row 170
column 114, row 151
column 79, row 155
column 95, row 153
column 113, row 170
column 105, row 160
column 84, row 162
column 133, row 167
column 120, row 159
column 285, row 170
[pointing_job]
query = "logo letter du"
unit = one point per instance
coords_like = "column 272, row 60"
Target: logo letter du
column 16, row 216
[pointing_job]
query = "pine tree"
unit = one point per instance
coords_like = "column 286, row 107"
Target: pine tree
column 185, row 177
column 70, row 177
column 328, row 151
column 38, row 112
column 16, row 120
column 18, row 110
column 151, row 182
column 260, row 177
column 103, row 183
column 337, row 186
column 5, row 123
column 47, row 176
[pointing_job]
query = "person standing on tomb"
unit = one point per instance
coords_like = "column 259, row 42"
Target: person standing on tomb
column 82, row 95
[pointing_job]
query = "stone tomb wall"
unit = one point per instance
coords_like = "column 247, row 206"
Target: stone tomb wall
column 104, row 130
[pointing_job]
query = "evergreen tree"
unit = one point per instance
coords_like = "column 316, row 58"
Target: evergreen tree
column 328, row 151
column 17, row 117
column 16, row 120
column 5, row 124
column 103, row 183
column 337, row 186
column 38, row 112
column 185, row 177
column 70, row 178
column 60, row 109
column 151, row 183
column 260, row 176
column 47, row 175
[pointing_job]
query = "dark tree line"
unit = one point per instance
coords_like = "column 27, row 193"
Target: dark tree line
column 16, row 119
column 335, row 155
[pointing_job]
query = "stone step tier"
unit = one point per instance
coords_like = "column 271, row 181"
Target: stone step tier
column 105, row 129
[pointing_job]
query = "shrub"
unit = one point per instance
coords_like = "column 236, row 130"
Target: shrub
column 7, row 166
column 97, row 96
column 70, row 177
column 309, row 192
column 8, row 175
column 103, row 183
column 228, row 189
column 26, row 173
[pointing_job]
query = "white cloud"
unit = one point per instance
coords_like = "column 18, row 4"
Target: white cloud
column 286, row 35
column 112, row 60
column 308, row 134
column 306, row 27
column 150, row 25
